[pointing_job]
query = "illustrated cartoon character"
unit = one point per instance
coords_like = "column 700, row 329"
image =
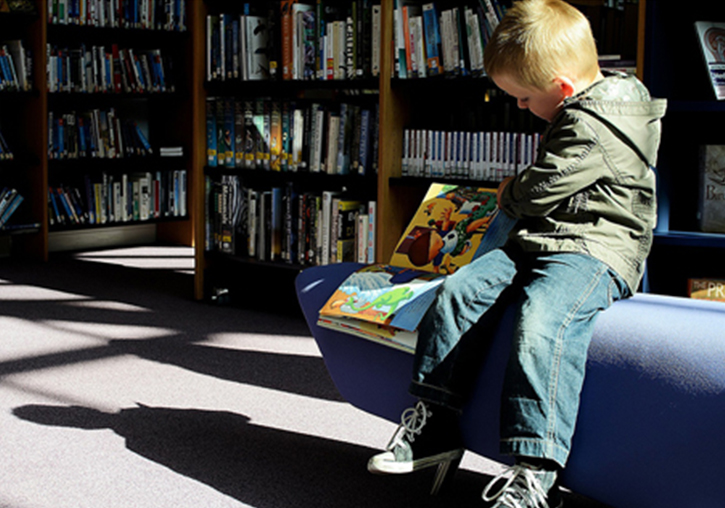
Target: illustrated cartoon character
column 392, row 299
column 447, row 236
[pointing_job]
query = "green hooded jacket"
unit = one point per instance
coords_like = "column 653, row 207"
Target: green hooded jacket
column 592, row 187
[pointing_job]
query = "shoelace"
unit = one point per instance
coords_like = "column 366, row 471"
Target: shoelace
column 412, row 422
column 521, row 490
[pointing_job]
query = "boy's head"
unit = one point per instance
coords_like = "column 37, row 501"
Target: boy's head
column 540, row 44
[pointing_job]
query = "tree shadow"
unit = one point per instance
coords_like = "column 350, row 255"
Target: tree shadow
column 260, row 466
column 289, row 373
column 139, row 311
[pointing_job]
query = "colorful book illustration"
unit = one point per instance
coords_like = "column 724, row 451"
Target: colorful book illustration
column 385, row 302
column 449, row 228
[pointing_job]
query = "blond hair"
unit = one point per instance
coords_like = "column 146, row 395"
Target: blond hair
column 538, row 40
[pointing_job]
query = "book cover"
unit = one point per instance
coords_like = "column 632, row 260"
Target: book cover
column 276, row 222
column 239, row 135
column 711, row 204
column 401, row 65
column 325, row 231
column 375, row 40
column 303, row 32
column 371, row 212
column 453, row 226
column 286, row 20
column 385, row 295
column 258, row 40
column 448, row 229
column 243, row 50
column 711, row 38
column 346, row 224
column 275, row 135
column 706, row 289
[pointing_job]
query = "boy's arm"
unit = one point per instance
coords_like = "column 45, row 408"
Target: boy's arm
column 561, row 170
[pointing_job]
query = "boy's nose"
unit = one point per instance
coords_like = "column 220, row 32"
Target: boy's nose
column 521, row 104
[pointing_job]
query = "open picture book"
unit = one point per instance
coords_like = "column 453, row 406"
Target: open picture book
column 385, row 302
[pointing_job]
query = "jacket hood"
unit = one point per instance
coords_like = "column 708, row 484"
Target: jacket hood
column 634, row 117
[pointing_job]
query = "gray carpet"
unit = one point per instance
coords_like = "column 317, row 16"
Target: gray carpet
column 118, row 390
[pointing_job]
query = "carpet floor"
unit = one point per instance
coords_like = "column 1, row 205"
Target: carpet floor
column 117, row 389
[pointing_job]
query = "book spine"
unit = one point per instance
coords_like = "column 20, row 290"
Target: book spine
column 372, row 231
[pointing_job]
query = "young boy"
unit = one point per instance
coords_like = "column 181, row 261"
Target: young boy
column 585, row 212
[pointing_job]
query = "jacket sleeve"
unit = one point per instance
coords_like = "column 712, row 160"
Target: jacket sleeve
column 563, row 169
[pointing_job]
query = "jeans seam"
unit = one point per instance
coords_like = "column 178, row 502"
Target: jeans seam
column 435, row 388
column 551, row 430
column 474, row 298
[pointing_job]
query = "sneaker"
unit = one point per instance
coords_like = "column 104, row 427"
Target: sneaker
column 410, row 449
column 526, row 486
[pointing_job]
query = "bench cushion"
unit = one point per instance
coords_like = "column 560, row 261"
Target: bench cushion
column 651, row 425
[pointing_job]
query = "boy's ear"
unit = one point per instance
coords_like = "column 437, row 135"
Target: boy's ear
column 566, row 86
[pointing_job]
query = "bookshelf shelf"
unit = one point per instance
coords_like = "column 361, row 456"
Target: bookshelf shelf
column 83, row 164
column 691, row 239
column 424, row 182
column 78, row 227
column 312, row 180
column 248, row 262
column 289, row 88
column 679, row 106
column 20, row 229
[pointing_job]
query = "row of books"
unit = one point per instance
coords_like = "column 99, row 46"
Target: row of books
column 432, row 41
column 618, row 4
column 489, row 156
column 108, row 69
column 333, row 138
column 330, row 40
column 322, row 40
column 15, row 66
column 6, row 153
column 119, row 198
column 167, row 15
column 97, row 133
column 285, row 225
column 237, row 47
column 10, row 200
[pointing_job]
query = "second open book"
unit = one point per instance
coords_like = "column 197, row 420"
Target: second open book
column 385, row 302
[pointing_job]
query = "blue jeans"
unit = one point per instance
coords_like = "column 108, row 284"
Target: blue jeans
column 559, row 296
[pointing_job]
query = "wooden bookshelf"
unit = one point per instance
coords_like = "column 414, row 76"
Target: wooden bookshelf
column 169, row 120
column 662, row 61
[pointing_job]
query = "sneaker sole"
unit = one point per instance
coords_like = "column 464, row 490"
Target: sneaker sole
column 385, row 463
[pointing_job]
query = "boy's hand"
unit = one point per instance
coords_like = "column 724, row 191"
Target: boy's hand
column 501, row 187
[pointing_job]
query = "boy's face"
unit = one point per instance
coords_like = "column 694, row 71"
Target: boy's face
column 544, row 104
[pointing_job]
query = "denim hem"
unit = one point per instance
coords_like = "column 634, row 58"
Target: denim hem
column 436, row 395
column 531, row 447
